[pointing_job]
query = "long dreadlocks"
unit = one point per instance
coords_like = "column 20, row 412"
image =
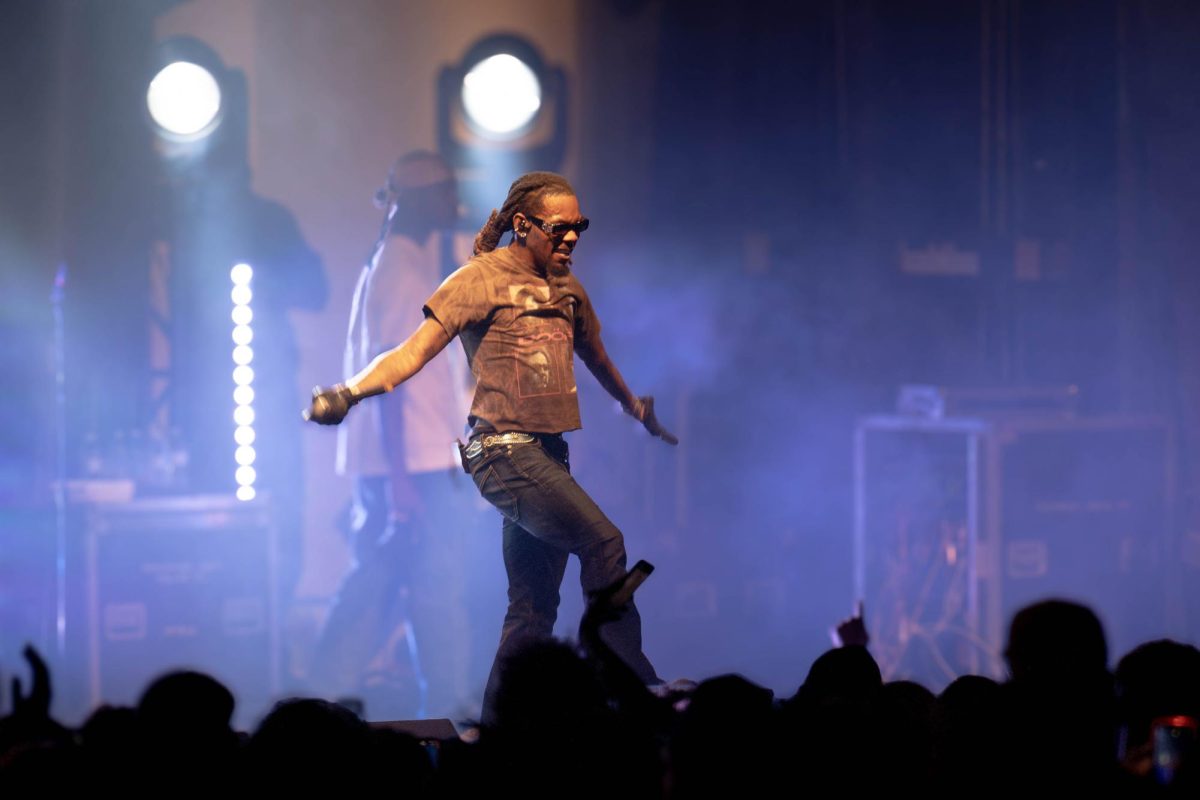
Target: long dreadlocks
column 525, row 196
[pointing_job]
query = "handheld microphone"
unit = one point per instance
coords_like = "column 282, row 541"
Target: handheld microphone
column 320, row 405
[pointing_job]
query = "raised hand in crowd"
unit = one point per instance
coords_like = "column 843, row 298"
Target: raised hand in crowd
column 852, row 630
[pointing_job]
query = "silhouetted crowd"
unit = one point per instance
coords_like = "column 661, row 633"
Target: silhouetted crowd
column 573, row 720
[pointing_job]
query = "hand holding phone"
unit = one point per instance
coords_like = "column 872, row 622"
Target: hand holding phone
column 1174, row 740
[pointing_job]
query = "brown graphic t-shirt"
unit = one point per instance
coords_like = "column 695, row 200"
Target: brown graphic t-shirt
column 519, row 331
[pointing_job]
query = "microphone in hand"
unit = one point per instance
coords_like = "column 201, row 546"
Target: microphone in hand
column 644, row 412
column 330, row 405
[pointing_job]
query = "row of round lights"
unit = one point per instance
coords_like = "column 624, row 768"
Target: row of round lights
column 243, row 380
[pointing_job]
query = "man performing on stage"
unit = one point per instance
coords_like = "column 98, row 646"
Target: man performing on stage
column 521, row 314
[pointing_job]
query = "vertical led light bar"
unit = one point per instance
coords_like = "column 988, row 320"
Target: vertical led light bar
column 243, row 380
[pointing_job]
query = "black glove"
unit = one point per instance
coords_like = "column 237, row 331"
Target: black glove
column 330, row 406
column 651, row 423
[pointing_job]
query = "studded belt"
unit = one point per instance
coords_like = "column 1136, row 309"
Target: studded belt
column 492, row 439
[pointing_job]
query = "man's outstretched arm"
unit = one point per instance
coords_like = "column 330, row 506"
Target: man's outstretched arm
column 385, row 372
column 606, row 372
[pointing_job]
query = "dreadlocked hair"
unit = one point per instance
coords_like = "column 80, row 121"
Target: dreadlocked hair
column 525, row 195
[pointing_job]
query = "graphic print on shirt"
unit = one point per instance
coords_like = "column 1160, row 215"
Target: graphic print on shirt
column 530, row 298
column 543, row 361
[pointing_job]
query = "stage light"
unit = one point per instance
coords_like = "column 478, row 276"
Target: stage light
column 501, row 111
column 243, row 376
column 195, row 105
column 501, row 95
column 184, row 100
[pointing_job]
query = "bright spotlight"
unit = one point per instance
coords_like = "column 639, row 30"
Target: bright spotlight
column 245, row 493
column 241, row 294
column 195, row 104
column 243, row 375
column 243, row 395
column 243, row 354
column 501, row 95
column 241, row 274
column 501, row 111
column 244, row 455
column 242, row 315
column 243, row 334
column 245, row 475
column 243, row 435
column 184, row 100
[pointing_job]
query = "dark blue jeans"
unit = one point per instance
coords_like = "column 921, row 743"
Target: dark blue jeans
column 548, row 517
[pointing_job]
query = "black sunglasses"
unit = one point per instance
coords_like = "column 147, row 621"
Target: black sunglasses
column 558, row 229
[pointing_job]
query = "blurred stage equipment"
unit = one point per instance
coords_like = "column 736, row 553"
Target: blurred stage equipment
column 935, row 402
column 502, row 111
column 205, row 231
column 173, row 528
column 175, row 582
column 917, row 508
column 190, row 96
column 959, row 521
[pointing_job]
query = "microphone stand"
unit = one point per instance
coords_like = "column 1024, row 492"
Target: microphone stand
column 360, row 290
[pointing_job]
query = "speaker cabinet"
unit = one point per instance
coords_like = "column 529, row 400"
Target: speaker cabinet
column 1082, row 510
column 179, row 583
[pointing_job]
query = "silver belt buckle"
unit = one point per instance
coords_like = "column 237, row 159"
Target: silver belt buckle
column 507, row 438
column 474, row 448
